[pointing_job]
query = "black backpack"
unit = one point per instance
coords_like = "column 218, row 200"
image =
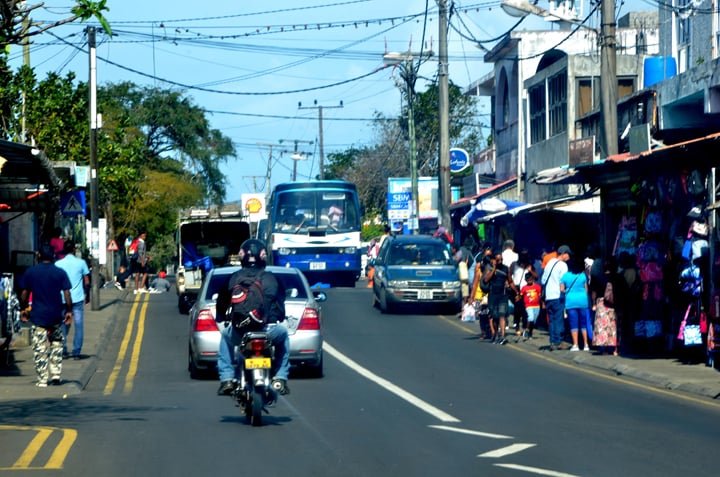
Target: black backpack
column 247, row 303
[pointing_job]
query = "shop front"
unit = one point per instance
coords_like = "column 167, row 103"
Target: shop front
column 657, row 227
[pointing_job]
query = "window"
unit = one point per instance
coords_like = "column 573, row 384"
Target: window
column 626, row 87
column 588, row 95
column 557, row 103
column 506, row 106
column 684, row 9
column 537, row 113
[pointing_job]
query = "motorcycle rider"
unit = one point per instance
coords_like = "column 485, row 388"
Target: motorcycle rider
column 253, row 255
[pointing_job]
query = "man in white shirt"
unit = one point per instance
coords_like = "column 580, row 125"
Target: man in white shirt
column 554, row 306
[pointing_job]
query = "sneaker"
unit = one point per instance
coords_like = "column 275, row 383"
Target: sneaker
column 574, row 348
column 41, row 384
column 55, row 381
column 226, row 387
column 502, row 341
column 587, row 348
column 280, row 385
column 118, row 286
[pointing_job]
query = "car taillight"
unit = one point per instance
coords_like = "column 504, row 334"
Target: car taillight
column 205, row 321
column 310, row 320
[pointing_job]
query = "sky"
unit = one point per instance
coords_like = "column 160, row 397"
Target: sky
column 249, row 64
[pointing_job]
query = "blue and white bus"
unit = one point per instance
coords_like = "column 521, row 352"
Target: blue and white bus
column 315, row 227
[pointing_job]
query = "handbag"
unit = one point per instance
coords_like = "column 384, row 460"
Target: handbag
column 468, row 313
column 609, row 296
column 691, row 335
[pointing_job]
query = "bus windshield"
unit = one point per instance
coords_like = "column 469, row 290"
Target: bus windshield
column 302, row 211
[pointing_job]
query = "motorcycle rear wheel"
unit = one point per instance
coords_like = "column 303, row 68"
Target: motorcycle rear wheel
column 254, row 408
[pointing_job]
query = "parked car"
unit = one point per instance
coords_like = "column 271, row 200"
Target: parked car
column 303, row 320
column 416, row 269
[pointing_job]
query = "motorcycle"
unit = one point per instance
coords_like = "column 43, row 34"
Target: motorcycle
column 254, row 390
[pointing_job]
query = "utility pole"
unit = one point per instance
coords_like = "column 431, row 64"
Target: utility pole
column 26, row 62
column 94, row 220
column 268, row 173
column 608, row 78
column 444, row 115
column 320, row 129
column 295, row 157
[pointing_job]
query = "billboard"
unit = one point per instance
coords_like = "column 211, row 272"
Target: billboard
column 400, row 198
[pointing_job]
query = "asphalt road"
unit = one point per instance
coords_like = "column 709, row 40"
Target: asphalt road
column 409, row 394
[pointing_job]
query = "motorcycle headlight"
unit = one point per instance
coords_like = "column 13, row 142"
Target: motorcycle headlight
column 398, row 283
column 452, row 284
column 285, row 251
column 348, row 250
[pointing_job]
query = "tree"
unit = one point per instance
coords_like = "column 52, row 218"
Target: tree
column 16, row 26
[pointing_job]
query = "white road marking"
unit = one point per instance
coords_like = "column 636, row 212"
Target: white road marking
column 472, row 433
column 398, row 391
column 511, row 449
column 536, row 470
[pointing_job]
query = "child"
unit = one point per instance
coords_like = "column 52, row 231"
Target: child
column 531, row 298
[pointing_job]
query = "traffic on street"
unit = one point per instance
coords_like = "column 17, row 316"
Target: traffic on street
column 412, row 393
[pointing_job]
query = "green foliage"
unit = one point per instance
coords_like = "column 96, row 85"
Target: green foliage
column 162, row 252
column 371, row 230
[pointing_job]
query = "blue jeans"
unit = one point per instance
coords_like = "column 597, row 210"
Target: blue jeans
column 555, row 309
column 78, row 309
column 230, row 337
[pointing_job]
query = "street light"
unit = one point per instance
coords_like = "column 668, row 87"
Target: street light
column 406, row 65
column 565, row 13
column 297, row 157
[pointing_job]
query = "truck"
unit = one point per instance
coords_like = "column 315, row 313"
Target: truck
column 206, row 238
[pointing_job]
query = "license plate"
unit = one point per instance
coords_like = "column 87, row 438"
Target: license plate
column 257, row 363
column 317, row 265
column 425, row 294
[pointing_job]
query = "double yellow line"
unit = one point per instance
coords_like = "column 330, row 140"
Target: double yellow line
column 31, row 451
column 141, row 301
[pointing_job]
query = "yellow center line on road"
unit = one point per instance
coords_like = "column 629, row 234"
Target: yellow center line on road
column 32, row 448
column 137, row 346
column 599, row 374
column 31, row 451
column 112, row 380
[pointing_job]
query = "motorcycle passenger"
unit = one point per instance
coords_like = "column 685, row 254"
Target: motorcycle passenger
column 253, row 255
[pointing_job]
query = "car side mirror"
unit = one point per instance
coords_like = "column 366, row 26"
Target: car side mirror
column 320, row 296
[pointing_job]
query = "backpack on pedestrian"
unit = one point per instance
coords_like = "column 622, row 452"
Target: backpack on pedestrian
column 133, row 248
column 247, row 303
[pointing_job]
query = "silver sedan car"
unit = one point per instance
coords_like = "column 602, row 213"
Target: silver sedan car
column 303, row 320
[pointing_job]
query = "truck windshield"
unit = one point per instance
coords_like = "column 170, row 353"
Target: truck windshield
column 303, row 211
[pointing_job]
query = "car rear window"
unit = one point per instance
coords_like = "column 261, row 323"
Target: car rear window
column 291, row 281
column 286, row 281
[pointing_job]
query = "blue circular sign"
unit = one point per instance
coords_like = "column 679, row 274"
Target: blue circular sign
column 459, row 159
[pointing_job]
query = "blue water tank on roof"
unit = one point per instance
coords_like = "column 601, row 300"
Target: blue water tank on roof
column 657, row 69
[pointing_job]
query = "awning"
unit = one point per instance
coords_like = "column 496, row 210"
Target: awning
column 484, row 207
column 697, row 153
column 487, row 192
column 28, row 181
column 571, row 204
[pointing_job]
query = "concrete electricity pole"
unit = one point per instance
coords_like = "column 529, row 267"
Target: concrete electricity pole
column 94, row 219
column 268, row 173
column 320, row 129
column 608, row 78
column 444, row 193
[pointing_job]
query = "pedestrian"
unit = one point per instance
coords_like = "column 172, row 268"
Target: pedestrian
column 605, row 332
column 160, row 283
column 520, row 316
column 497, row 276
column 574, row 285
column 79, row 275
column 479, row 296
column 57, row 242
column 48, row 285
column 121, row 278
column 530, row 294
column 140, row 261
column 554, row 302
column 372, row 253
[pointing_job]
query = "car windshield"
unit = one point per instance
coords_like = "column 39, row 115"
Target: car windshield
column 419, row 254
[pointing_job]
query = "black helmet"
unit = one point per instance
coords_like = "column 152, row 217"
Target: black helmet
column 253, row 254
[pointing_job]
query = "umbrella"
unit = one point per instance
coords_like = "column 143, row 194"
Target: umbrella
column 491, row 205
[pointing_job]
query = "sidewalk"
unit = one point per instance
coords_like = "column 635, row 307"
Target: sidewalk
column 667, row 372
column 17, row 381
column 17, row 378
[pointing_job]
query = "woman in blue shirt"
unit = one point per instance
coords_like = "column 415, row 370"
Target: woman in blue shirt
column 574, row 285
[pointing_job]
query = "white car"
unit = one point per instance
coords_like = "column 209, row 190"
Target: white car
column 303, row 320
